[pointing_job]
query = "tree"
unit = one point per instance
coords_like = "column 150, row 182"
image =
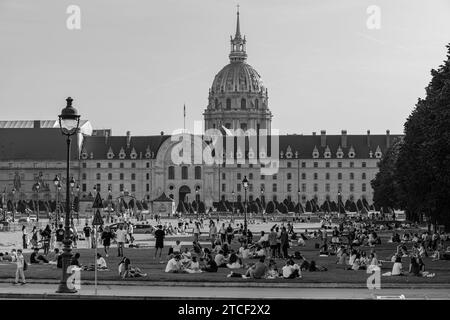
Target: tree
column 423, row 165
column 386, row 190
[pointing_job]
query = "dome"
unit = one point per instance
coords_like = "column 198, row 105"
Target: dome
column 237, row 77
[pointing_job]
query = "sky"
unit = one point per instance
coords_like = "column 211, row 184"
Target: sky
column 134, row 64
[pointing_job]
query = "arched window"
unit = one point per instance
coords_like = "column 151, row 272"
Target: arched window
column 228, row 103
column 216, row 103
column 171, row 173
column 198, row 172
column 289, row 176
column 257, row 104
column 184, row 173
column 243, row 103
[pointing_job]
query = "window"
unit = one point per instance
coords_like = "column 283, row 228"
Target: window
column 133, row 165
column 224, row 187
column 84, row 164
column 109, row 176
column 98, row 176
column 304, row 176
column 262, row 187
column 121, row 176
column 327, row 187
column 98, row 187
column 352, row 176
column 184, row 173
column 110, row 165
column 274, row 197
column 83, row 187
column 121, row 187
column 250, row 187
column 274, row 187
column 243, row 103
column 315, row 187
column 243, row 126
column 363, row 164
column 339, row 187
column 289, row 176
column 274, row 177
column 327, row 176
column 352, row 187
column 303, row 187
column 316, row 164
column 363, row 176
column 315, row 175
column 228, row 103
column 250, row 176
column 171, row 173
column 223, row 176
column 263, row 177
column 99, row 165
column 147, row 176
column 289, row 164
column 121, row 165
column 303, row 164
column 238, row 176
column 352, row 164
column 363, row 187
column 339, row 176
column 198, row 173
column 327, row 164
column 238, row 187
column 216, row 103
column 238, row 165
column 339, row 164
column 133, row 187
column 289, row 187
column 83, row 176
column 257, row 104
column 147, row 187
column 147, row 164
column 133, row 176
column 250, row 165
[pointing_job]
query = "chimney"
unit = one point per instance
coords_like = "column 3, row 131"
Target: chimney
column 323, row 138
column 37, row 124
column 162, row 133
column 128, row 139
column 106, row 136
column 344, row 138
column 388, row 138
column 368, row 138
column 314, row 133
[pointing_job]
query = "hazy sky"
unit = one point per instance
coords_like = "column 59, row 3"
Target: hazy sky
column 134, row 63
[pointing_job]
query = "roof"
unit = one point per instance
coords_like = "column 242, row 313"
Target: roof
column 43, row 124
column 100, row 146
column 23, row 143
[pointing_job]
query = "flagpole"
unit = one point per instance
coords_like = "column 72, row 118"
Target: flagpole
column 184, row 118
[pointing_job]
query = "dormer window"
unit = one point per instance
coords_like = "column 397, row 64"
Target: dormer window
column 122, row 154
column 339, row 153
column 110, row 154
column 378, row 153
column 315, row 153
column 327, row 153
column 84, row 155
column 289, row 152
column 133, row 154
column 351, row 152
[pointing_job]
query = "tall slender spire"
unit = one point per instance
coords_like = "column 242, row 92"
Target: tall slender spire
column 238, row 53
column 238, row 28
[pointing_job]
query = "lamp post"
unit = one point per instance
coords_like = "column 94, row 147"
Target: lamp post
column 14, row 203
column 57, row 186
column 77, row 190
column 232, row 194
column 339, row 202
column 72, row 185
column 37, row 186
column 245, row 184
column 69, row 122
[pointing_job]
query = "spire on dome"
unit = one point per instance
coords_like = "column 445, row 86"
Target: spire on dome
column 237, row 53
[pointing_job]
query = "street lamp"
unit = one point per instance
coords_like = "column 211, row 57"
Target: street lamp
column 232, row 193
column 245, row 184
column 77, row 190
column 69, row 122
column 57, row 185
column 14, row 203
column 72, row 200
column 339, row 202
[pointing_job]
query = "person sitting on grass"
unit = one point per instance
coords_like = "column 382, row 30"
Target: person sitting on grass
column 324, row 249
column 193, row 266
column 234, row 262
column 256, row 271
column 210, row 264
column 126, row 270
column 53, row 257
column 342, row 255
column 197, row 247
column 37, row 258
column 75, row 261
column 174, row 265
column 220, row 260
column 101, row 264
column 186, row 255
column 272, row 272
column 397, row 268
column 291, row 270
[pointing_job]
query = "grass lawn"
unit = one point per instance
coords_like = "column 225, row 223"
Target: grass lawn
column 144, row 259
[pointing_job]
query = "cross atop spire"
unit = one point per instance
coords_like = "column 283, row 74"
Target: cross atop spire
column 238, row 29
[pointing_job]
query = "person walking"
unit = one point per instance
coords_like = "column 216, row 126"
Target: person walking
column 34, row 237
column 24, row 237
column 121, row 235
column 21, row 265
column 284, row 238
column 212, row 233
column 106, row 238
column 223, row 233
column 45, row 235
column 131, row 232
column 159, row 241
column 196, row 230
column 87, row 235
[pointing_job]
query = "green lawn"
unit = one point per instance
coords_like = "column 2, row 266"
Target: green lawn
column 143, row 258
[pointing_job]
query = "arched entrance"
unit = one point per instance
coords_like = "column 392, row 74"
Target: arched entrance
column 183, row 191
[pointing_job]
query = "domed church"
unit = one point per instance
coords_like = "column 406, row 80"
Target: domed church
column 237, row 98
